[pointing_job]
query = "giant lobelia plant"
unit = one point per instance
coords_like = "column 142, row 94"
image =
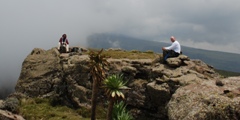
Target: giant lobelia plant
column 98, row 65
column 113, row 86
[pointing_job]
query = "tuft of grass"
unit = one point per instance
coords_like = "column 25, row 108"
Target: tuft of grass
column 149, row 51
column 41, row 109
column 135, row 51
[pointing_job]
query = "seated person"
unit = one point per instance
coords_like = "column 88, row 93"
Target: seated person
column 64, row 41
column 172, row 51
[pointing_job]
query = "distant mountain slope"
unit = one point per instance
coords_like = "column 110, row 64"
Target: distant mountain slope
column 219, row 60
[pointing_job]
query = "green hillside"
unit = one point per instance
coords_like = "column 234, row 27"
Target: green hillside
column 227, row 73
column 219, row 60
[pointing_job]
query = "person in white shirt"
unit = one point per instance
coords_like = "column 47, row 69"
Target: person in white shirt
column 172, row 51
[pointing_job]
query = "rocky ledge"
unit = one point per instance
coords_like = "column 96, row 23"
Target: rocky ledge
column 181, row 89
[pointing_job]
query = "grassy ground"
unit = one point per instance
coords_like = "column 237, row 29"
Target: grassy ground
column 41, row 109
column 133, row 54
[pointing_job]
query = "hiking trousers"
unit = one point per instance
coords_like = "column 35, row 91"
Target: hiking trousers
column 169, row 54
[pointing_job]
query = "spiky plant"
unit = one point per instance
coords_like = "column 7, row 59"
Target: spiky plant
column 98, row 65
column 120, row 112
column 113, row 86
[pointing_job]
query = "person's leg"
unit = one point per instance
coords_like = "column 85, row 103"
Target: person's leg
column 165, row 55
column 67, row 48
column 59, row 44
column 173, row 54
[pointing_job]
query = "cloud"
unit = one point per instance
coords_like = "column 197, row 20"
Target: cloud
column 230, row 47
column 212, row 21
column 24, row 25
column 114, row 44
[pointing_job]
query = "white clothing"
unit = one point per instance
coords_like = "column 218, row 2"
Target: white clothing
column 175, row 47
column 67, row 46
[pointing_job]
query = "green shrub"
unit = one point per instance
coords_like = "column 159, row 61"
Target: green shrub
column 11, row 104
column 120, row 112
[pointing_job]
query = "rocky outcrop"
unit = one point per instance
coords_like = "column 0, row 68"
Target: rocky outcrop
column 177, row 61
column 205, row 100
column 181, row 89
column 40, row 71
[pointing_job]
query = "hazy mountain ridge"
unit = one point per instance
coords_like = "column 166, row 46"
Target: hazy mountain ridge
column 219, row 60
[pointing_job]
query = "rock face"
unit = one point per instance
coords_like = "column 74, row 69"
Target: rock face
column 181, row 89
column 205, row 100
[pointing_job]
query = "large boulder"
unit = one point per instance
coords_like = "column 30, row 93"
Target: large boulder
column 50, row 74
column 206, row 100
column 40, row 71
column 177, row 61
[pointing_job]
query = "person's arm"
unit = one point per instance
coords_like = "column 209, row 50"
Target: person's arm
column 171, row 47
column 67, row 41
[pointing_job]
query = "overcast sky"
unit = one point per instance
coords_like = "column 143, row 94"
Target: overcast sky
column 27, row 24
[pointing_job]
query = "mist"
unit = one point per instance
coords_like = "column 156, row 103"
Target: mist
column 25, row 25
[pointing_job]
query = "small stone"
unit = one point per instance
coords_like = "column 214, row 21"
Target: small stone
column 219, row 83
